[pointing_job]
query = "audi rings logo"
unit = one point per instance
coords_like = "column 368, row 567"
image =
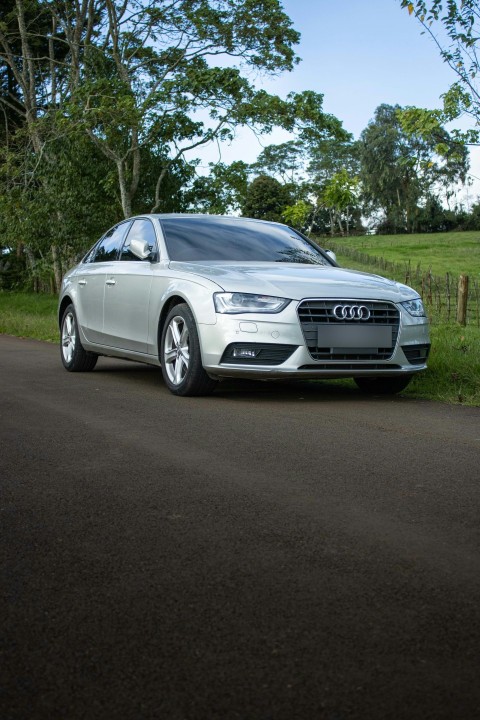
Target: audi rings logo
column 351, row 312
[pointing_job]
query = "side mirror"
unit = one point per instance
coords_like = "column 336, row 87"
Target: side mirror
column 140, row 248
column 331, row 254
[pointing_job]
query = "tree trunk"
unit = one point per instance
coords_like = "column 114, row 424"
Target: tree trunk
column 32, row 264
column 157, row 189
column 332, row 223
column 340, row 226
column 57, row 269
column 124, row 193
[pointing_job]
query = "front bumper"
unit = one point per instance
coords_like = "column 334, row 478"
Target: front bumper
column 284, row 329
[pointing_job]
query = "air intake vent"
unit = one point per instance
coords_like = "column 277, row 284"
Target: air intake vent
column 416, row 354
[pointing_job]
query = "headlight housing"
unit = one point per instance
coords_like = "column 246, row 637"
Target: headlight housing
column 414, row 307
column 236, row 303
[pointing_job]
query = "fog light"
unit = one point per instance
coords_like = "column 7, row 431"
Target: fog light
column 244, row 352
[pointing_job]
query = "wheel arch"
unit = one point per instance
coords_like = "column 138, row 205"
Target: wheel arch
column 66, row 301
column 171, row 303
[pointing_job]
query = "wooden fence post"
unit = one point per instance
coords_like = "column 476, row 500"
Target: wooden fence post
column 462, row 299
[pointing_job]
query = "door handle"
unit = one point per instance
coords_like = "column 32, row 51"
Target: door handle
column 82, row 282
column 110, row 282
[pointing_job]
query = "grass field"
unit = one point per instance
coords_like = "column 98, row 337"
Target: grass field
column 455, row 252
column 453, row 375
column 29, row 315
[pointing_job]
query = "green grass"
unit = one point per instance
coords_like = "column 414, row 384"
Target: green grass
column 453, row 252
column 29, row 315
column 453, row 374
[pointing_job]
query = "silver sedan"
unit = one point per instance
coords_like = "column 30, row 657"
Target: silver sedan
column 208, row 297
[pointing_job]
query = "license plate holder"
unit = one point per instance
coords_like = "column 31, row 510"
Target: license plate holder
column 354, row 336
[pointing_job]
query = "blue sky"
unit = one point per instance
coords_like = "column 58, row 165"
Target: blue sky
column 361, row 54
column 358, row 55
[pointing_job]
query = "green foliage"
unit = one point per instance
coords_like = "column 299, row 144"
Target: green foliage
column 340, row 191
column 331, row 156
column 12, row 270
column 284, row 162
column 310, row 168
column 60, row 199
column 455, row 28
column 471, row 220
column 222, row 191
column 340, row 195
column 266, row 199
column 400, row 166
column 297, row 215
column 102, row 106
column 433, row 217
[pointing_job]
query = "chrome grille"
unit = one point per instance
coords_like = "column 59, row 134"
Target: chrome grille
column 315, row 314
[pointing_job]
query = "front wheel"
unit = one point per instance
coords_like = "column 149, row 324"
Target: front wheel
column 383, row 385
column 180, row 355
column 74, row 356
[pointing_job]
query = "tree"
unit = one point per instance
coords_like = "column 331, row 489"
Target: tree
column 399, row 169
column 266, row 199
column 147, row 82
column 51, row 212
column 152, row 80
column 455, row 30
column 329, row 160
column 331, row 156
column 34, row 68
column 433, row 217
column 297, row 215
column 305, row 166
column 285, row 162
column 339, row 196
column 222, row 191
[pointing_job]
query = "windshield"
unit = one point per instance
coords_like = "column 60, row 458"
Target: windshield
column 233, row 239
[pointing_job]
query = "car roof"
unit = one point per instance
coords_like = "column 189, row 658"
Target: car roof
column 206, row 216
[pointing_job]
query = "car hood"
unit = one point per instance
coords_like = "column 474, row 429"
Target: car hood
column 290, row 280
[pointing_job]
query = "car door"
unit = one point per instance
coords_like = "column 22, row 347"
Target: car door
column 91, row 283
column 127, row 292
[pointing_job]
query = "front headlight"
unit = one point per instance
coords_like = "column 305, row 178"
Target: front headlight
column 414, row 307
column 246, row 303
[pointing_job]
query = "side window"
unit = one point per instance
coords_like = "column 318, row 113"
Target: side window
column 141, row 230
column 110, row 244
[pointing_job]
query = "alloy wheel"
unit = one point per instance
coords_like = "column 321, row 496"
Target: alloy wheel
column 177, row 350
column 69, row 338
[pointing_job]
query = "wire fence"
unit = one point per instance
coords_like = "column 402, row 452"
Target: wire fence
column 447, row 298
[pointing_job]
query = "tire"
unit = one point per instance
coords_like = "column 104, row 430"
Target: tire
column 180, row 355
column 74, row 357
column 383, row 385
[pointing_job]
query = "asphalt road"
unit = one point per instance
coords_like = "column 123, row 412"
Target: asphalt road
column 273, row 552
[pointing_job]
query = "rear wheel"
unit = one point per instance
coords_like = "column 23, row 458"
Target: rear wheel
column 383, row 385
column 74, row 356
column 180, row 355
